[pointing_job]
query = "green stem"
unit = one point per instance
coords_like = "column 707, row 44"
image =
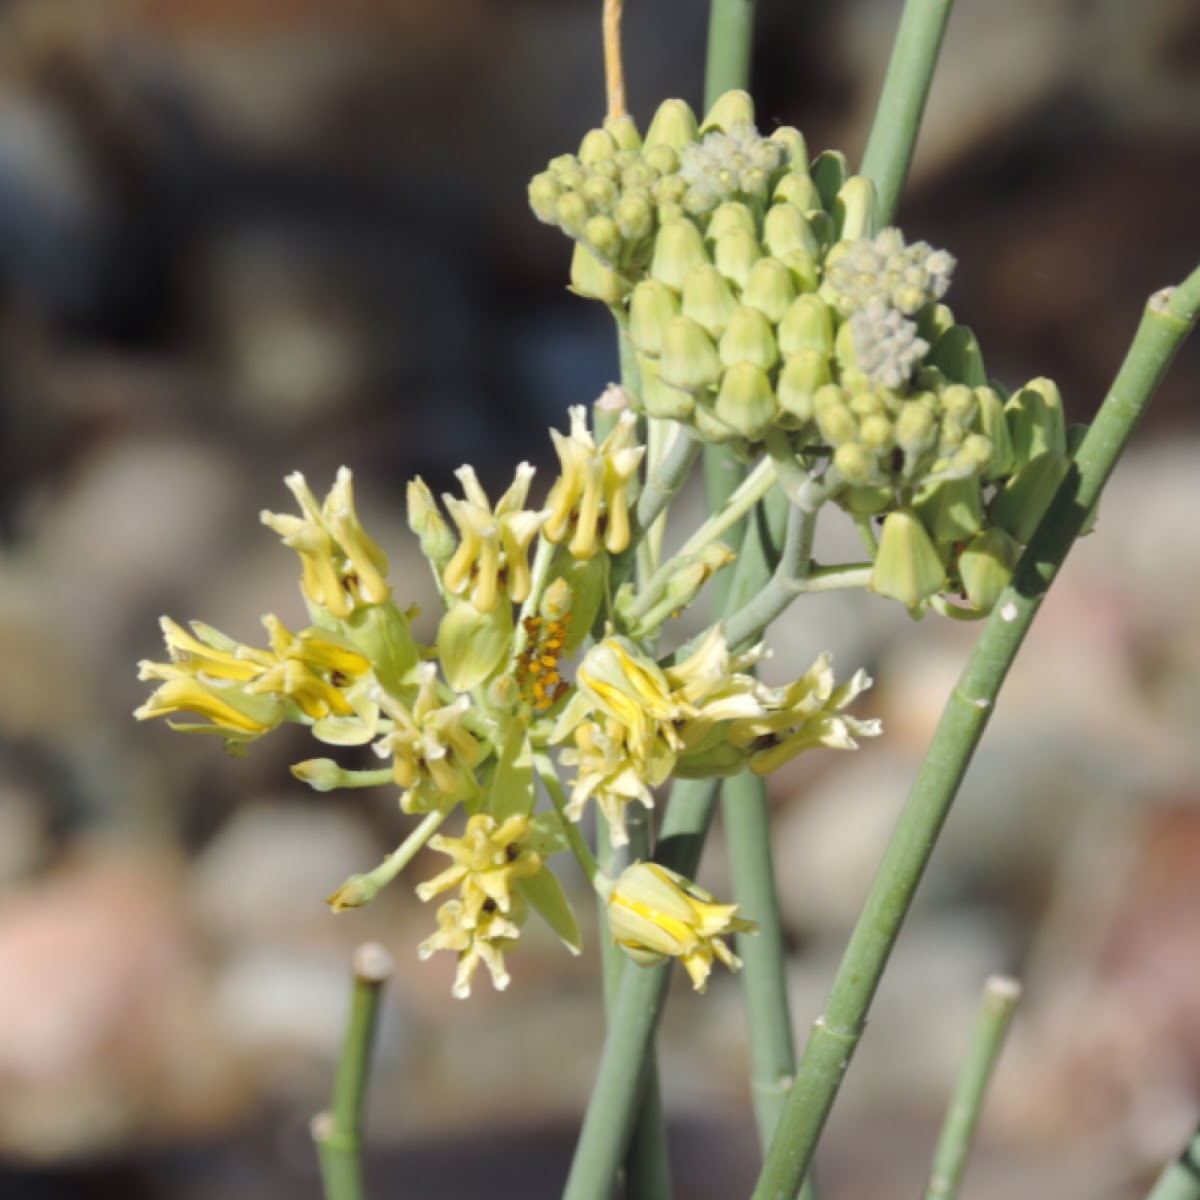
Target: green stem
column 1000, row 996
column 730, row 31
column 621, row 1076
column 338, row 1131
column 902, row 101
column 1180, row 1179
column 362, row 889
column 543, row 765
column 752, row 489
column 795, row 564
column 772, row 1053
column 1168, row 317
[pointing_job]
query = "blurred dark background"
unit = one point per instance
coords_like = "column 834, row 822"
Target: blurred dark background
column 244, row 237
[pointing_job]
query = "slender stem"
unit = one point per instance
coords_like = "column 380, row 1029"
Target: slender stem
column 1000, row 996
column 791, row 576
column 621, row 1075
column 772, row 1053
column 667, row 477
column 1180, row 1179
column 753, row 488
column 902, row 101
column 647, row 1166
column 866, row 535
column 614, row 68
column 730, row 30
column 362, row 889
column 838, row 579
column 543, row 765
column 1168, row 317
column 338, row 1131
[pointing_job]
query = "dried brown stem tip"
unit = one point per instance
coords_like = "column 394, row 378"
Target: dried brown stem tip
column 614, row 68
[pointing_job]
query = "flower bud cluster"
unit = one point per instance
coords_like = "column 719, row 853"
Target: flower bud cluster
column 960, row 531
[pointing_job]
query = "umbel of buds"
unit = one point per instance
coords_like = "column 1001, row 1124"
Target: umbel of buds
column 764, row 302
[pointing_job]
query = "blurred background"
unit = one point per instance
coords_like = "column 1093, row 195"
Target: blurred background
column 243, row 237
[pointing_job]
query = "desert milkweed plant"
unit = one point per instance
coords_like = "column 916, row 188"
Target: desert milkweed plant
column 778, row 331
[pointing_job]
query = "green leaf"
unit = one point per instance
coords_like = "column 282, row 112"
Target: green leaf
column 544, row 893
column 512, row 792
column 472, row 644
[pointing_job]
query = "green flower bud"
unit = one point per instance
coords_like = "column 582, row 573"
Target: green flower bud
column 735, row 252
column 591, row 278
column 986, row 565
column 991, row 423
column 832, row 412
column 651, row 306
column 661, row 158
column 563, row 164
column 1023, row 501
column 866, row 501
column 951, row 510
column 623, row 132
column 471, row 644
column 771, row 289
column 641, row 176
column 572, row 213
column 875, row 432
column 866, row 404
column 678, row 250
column 748, row 338
column 603, row 238
column 956, row 354
column 670, row 189
column 699, row 201
column 856, row 209
column 425, row 519
column 729, row 111
column 803, row 374
column 600, row 194
column 634, row 215
column 674, row 125
column 855, row 463
column 708, row 299
column 544, row 191
column 745, row 401
column 972, row 458
column 829, row 172
column 907, row 566
column 659, row 399
column 807, row 325
column 1035, row 421
column 958, row 403
column 933, row 320
column 916, row 428
column 798, row 189
column 803, row 267
column 688, row 359
column 733, row 214
column 596, row 146
column 785, row 228
column 681, row 590
column 795, row 149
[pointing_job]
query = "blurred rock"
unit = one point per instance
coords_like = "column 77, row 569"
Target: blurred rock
column 105, row 1034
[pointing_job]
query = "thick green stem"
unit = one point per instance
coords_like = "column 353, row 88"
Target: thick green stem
column 730, row 33
column 1167, row 319
column 338, row 1131
column 1000, row 996
column 1180, row 1179
column 902, row 101
column 616, row 1093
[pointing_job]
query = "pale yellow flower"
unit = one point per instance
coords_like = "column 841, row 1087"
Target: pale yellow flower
column 342, row 569
column 655, row 914
column 488, row 860
column 434, row 754
column 492, row 558
column 592, row 493
column 484, row 940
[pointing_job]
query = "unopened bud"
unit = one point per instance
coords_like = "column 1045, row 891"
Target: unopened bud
column 771, row 289
column 678, row 250
column 745, row 401
column 735, row 252
column 674, row 125
column 688, row 359
column 748, row 338
column 733, row 109
column 708, row 299
column 907, row 566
